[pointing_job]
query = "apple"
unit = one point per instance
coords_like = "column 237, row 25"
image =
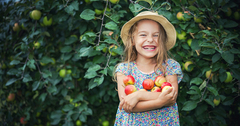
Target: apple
column 104, row 49
column 47, row 22
column 180, row 16
column 156, row 89
column 236, row 15
column 23, row 121
column 142, row 90
column 3, row 65
column 88, row 1
column 38, row 114
column 37, row 45
column 130, row 89
column 148, row 84
column 62, row 73
column 114, row 1
column 229, row 12
column 186, row 66
column 182, row 35
column 216, row 101
column 166, row 84
column 16, row 27
column 69, row 71
column 159, row 80
column 229, row 77
column 189, row 42
column 78, row 123
column 105, row 123
column 11, row 97
column 208, row 73
column 54, row 61
column 197, row 19
column 166, row 88
column 129, row 79
column 98, row 12
column 36, row 14
column 112, row 52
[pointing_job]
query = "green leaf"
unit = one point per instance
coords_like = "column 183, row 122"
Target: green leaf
column 228, row 57
column 70, row 40
column 13, row 71
column 189, row 105
column 46, row 73
column 66, row 49
column 87, row 14
column 211, row 33
column 213, row 90
column 52, row 89
column 67, row 107
column 56, row 114
column 35, row 85
column 110, row 41
column 135, row 8
column 14, row 62
column 94, row 68
column 79, row 97
column 42, row 97
column 92, row 84
column 230, row 24
column 84, row 51
column 46, row 60
column 83, row 117
column 203, row 85
column 27, row 78
column 196, row 89
column 196, row 81
column 208, row 51
column 99, row 80
column 111, row 25
column 230, row 37
column 31, row 64
column 235, row 51
column 73, row 6
column 90, row 75
column 11, row 81
column 149, row 1
column 192, row 8
column 210, row 102
column 216, row 57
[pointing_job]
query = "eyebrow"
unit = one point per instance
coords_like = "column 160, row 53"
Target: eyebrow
column 146, row 32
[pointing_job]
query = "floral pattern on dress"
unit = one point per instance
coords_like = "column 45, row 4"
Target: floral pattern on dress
column 166, row 116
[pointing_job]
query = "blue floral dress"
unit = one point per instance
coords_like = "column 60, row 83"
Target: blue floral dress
column 166, row 116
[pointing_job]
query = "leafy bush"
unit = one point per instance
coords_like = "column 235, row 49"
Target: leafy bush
column 60, row 72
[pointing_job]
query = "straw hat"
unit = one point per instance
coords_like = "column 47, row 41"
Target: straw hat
column 169, row 28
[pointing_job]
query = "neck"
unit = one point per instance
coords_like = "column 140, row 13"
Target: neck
column 141, row 61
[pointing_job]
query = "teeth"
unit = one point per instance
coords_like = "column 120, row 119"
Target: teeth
column 149, row 48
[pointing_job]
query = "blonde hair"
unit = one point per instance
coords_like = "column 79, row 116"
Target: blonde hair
column 131, row 52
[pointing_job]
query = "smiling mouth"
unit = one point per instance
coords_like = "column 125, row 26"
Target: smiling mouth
column 150, row 48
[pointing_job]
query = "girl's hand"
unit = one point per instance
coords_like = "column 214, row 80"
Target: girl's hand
column 128, row 102
column 168, row 97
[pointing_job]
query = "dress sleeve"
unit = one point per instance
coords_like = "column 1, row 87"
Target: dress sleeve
column 122, row 68
column 173, row 67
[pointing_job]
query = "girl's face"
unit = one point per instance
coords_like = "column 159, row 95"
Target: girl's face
column 146, row 38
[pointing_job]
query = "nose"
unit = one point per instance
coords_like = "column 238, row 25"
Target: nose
column 150, row 38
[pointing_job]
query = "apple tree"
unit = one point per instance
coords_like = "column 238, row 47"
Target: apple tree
column 58, row 57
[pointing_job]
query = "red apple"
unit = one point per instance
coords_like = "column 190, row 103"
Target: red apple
column 23, row 121
column 148, row 84
column 130, row 89
column 129, row 79
column 165, row 84
column 159, row 80
column 11, row 97
column 156, row 89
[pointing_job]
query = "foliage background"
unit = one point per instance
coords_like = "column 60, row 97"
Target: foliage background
column 76, row 41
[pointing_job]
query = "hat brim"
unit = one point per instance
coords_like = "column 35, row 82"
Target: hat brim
column 168, row 27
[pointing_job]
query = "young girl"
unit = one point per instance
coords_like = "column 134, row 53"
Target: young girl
column 147, row 39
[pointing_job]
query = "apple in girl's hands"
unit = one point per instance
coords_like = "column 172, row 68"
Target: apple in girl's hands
column 165, row 86
column 130, row 89
column 142, row 90
column 159, row 80
column 148, row 84
column 129, row 79
column 156, row 89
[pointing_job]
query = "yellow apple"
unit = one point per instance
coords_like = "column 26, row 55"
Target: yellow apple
column 180, row 16
column 62, row 73
column 37, row 45
column 189, row 42
column 216, row 101
column 16, row 27
column 114, row 1
column 229, row 77
column 98, row 12
column 208, row 73
column 186, row 66
column 182, row 35
column 112, row 52
column 47, row 22
column 36, row 14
